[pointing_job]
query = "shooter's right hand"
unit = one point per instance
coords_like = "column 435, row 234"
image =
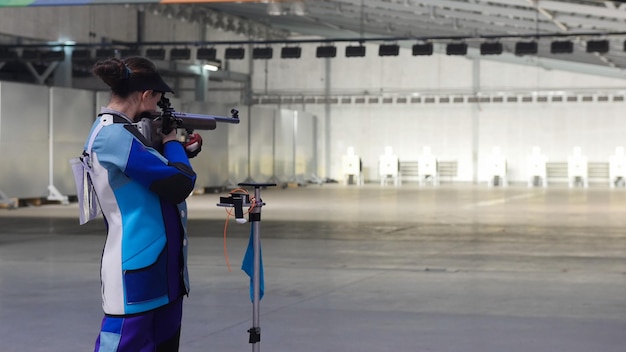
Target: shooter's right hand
column 172, row 136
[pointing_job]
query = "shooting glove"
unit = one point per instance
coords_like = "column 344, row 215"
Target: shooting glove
column 193, row 145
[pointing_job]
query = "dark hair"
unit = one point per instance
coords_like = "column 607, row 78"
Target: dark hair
column 117, row 72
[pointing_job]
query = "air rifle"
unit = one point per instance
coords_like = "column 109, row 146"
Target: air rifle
column 151, row 125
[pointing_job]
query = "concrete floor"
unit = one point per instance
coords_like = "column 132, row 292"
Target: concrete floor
column 455, row 268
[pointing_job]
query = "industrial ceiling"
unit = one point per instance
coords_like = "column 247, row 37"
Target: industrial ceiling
column 441, row 22
column 408, row 22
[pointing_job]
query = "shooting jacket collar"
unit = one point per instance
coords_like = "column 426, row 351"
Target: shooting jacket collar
column 118, row 117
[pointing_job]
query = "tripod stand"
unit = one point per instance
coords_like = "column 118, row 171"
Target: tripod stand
column 238, row 201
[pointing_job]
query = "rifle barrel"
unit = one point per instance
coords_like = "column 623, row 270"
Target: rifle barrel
column 202, row 122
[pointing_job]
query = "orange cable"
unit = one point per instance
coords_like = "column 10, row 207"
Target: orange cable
column 229, row 213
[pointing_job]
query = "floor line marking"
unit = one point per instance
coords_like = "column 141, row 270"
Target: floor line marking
column 488, row 203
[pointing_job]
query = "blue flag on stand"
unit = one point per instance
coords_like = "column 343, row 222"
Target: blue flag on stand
column 248, row 267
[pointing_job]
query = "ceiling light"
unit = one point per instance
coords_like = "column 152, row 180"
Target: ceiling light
column 206, row 54
column 491, row 48
column 213, row 66
column 30, row 55
column 234, row 53
column 526, row 48
column 53, row 55
column 355, row 51
column 456, row 49
column 104, row 53
column 388, row 50
column 155, row 54
column 129, row 52
column 8, row 55
column 262, row 53
column 81, row 55
column 180, row 54
column 423, row 49
column 291, row 52
column 327, row 51
column 598, row 46
column 562, row 47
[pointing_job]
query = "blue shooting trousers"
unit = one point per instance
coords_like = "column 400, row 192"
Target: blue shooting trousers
column 154, row 331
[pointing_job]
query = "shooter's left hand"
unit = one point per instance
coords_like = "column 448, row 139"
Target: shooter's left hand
column 193, row 146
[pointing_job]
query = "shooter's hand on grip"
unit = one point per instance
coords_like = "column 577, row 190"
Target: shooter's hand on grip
column 171, row 136
column 167, row 123
column 194, row 145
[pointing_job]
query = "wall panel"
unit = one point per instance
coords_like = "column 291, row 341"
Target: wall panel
column 211, row 165
column 262, row 144
column 284, row 155
column 407, row 129
column 306, row 146
column 71, row 117
column 102, row 100
column 238, row 143
column 24, row 140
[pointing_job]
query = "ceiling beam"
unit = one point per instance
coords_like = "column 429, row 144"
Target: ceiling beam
column 32, row 3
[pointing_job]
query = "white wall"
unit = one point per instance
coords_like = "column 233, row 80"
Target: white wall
column 465, row 132
column 27, row 112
